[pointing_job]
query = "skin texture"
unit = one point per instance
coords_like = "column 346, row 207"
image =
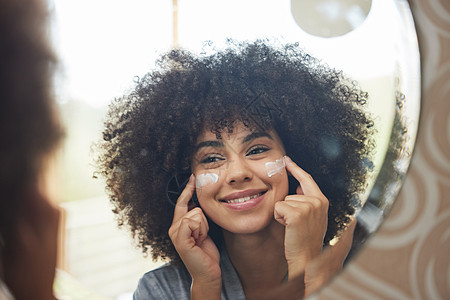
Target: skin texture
column 240, row 159
column 189, row 234
column 241, row 165
column 151, row 134
column 319, row 271
column 305, row 216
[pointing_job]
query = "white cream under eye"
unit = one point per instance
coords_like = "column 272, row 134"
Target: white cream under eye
column 275, row 167
column 206, row 179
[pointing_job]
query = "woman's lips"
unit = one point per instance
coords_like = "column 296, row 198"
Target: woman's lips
column 243, row 200
column 242, row 194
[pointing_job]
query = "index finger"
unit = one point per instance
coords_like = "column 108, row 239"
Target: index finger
column 307, row 183
column 182, row 206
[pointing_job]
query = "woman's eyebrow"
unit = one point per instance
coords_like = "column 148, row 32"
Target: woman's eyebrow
column 215, row 144
column 256, row 135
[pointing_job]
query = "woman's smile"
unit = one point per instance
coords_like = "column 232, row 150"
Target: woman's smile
column 244, row 200
column 242, row 196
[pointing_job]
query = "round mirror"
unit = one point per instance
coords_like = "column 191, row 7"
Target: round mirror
column 105, row 47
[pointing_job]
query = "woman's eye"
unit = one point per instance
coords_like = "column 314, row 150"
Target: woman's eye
column 257, row 150
column 211, row 159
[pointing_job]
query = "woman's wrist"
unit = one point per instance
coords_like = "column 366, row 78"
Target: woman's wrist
column 298, row 261
column 206, row 289
column 297, row 265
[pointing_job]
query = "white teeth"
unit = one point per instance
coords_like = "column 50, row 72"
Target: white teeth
column 240, row 200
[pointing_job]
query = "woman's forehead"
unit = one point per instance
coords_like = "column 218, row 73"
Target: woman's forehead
column 239, row 133
column 239, row 130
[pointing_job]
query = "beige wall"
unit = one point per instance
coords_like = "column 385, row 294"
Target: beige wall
column 409, row 256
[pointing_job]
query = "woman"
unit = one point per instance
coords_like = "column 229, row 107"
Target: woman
column 230, row 119
column 30, row 133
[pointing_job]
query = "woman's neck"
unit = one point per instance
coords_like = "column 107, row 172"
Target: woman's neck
column 258, row 257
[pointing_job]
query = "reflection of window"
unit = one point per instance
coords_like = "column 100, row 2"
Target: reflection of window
column 98, row 256
column 101, row 45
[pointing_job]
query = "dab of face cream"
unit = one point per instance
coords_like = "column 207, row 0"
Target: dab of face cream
column 205, row 179
column 275, row 167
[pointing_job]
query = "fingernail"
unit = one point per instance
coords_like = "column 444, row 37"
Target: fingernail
column 287, row 159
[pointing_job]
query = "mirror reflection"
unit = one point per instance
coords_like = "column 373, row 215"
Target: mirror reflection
column 252, row 123
column 105, row 58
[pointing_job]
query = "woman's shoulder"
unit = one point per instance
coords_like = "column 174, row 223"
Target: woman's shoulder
column 169, row 281
column 172, row 281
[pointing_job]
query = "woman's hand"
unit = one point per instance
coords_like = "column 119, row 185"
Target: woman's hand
column 305, row 216
column 189, row 235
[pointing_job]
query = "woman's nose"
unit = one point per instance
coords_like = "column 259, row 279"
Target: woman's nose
column 238, row 172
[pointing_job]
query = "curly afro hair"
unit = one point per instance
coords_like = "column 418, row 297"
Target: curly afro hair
column 150, row 133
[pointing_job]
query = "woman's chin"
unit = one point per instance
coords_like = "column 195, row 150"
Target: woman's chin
column 248, row 225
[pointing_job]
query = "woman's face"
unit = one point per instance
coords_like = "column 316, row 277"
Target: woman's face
column 240, row 177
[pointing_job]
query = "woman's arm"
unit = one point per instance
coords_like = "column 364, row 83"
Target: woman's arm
column 305, row 216
column 206, row 290
column 321, row 270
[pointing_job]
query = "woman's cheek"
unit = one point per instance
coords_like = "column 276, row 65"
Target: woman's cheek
column 276, row 167
column 205, row 179
column 276, row 175
column 206, row 184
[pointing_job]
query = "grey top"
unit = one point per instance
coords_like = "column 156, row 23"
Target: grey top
column 174, row 282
